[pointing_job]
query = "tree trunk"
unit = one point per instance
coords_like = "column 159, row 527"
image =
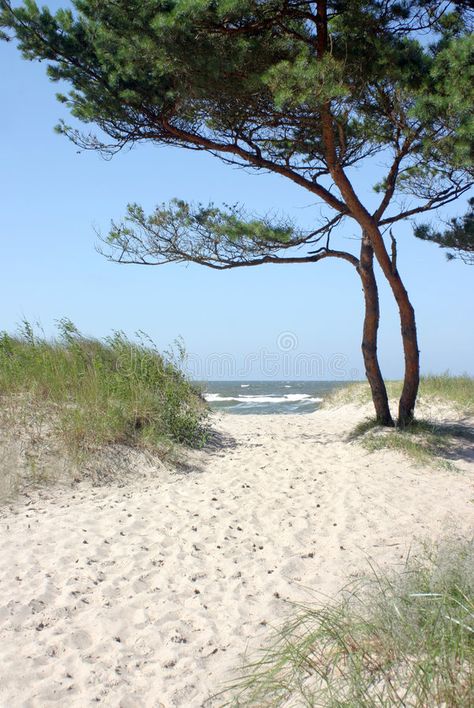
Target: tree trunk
column 411, row 353
column 389, row 268
column 411, row 378
column 411, row 381
column 370, row 331
column 371, row 229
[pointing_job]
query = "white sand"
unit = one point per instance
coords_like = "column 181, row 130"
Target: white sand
column 150, row 593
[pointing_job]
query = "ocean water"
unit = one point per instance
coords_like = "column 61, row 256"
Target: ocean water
column 245, row 397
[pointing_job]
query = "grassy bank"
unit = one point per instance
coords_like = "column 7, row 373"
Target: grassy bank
column 400, row 639
column 94, row 393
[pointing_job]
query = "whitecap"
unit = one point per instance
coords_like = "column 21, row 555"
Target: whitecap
column 250, row 399
column 216, row 397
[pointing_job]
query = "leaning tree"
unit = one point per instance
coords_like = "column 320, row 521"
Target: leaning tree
column 308, row 90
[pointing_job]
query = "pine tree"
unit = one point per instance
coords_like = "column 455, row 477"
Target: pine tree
column 307, row 90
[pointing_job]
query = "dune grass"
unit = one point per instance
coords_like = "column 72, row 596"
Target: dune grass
column 95, row 393
column 394, row 639
column 456, row 390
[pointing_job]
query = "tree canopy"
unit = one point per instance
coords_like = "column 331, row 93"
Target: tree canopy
column 244, row 79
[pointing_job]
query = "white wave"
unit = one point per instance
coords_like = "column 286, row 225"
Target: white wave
column 297, row 396
column 214, row 397
column 287, row 386
column 244, row 385
column 262, row 399
column 288, row 398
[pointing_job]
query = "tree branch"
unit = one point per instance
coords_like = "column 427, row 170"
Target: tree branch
column 343, row 255
column 434, row 203
column 219, row 239
column 258, row 161
column 391, row 179
column 394, row 252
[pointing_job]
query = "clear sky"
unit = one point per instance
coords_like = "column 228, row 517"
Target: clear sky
column 275, row 321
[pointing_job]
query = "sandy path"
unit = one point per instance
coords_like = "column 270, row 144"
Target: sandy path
column 148, row 594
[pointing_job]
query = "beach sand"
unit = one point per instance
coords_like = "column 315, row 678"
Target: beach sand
column 149, row 593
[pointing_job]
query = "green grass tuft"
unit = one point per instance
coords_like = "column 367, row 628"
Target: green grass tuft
column 399, row 639
column 425, row 442
column 95, row 392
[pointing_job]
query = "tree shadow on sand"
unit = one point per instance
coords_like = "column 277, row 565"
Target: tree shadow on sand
column 423, row 440
column 455, row 441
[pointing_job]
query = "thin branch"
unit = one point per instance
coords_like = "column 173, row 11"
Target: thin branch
column 209, row 144
column 434, row 203
column 343, row 255
column 394, row 252
column 391, row 179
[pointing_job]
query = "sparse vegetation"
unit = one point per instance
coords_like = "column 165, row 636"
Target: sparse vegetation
column 455, row 389
column 99, row 392
column 423, row 441
column 399, row 639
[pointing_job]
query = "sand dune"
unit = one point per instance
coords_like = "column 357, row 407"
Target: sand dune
column 149, row 593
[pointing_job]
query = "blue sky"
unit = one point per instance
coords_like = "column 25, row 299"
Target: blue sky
column 55, row 198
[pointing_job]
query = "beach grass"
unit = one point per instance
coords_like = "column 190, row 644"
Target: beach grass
column 456, row 390
column 98, row 392
column 404, row 638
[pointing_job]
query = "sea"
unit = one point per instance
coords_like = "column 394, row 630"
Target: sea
column 263, row 397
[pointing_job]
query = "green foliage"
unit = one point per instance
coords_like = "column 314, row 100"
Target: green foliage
column 229, row 225
column 404, row 638
column 458, row 237
column 302, row 81
column 247, row 73
column 101, row 392
column 448, row 99
column 206, row 234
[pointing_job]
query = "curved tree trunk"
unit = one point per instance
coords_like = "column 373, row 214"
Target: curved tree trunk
column 388, row 265
column 411, row 382
column 411, row 353
column 411, row 378
column 371, row 229
column 370, row 331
